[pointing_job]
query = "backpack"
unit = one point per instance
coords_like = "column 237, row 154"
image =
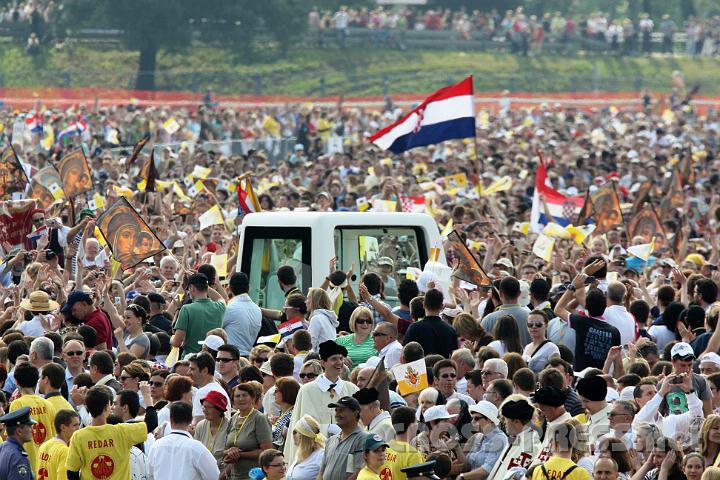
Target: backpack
column 565, row 475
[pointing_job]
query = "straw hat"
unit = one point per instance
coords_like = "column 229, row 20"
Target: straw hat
column 39, row 301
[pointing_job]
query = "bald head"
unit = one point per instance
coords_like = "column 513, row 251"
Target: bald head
column 605, row 469
column 616, row 293
column 364, row 376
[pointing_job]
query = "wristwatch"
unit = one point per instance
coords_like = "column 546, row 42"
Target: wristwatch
column 572, row 288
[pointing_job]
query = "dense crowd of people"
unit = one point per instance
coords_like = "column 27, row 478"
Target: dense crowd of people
column 525, row 33
column 584, row 362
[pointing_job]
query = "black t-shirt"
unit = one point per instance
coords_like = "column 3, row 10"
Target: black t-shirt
column 159, row 323
column 594, row 339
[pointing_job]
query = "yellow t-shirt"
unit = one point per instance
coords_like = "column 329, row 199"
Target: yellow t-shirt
column 367, row 474
column 59, row 402
column 556, row 468
column 399, row 455
column 43, row 413
column 104, row 451
column 51, row 460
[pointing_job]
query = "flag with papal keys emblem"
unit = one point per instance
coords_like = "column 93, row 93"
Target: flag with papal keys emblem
column 447, row 114
column 411, row 377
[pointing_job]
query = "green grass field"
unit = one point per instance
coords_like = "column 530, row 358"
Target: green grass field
column 354, row 71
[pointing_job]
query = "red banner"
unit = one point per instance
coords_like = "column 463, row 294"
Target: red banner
column 15, row 220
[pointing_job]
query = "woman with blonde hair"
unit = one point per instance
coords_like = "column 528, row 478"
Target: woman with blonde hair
column 711, row 473
column 710, row 439
column 581, row 449
column 323, row 320
column 310, row 449
column 359, row 344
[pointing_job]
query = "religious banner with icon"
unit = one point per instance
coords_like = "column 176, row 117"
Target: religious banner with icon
column 75, row 173
column 468, row 268
column 12, row 176
column 130, row 239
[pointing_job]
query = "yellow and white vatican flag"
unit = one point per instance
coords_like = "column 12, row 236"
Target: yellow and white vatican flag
column 411, row 377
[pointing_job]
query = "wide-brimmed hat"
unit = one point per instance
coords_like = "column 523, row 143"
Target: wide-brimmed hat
column 39, row 301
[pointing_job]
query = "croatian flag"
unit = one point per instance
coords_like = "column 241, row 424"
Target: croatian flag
column 445, row 115
column 34, row 123
column 75, row 128
column 288, row 327
column 563, row 209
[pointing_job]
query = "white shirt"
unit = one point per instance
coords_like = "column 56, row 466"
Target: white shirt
column 179, row 456
column 242, row 322
column 201, row 393
column 307, row 470
column 620, row 318
column 662, row 335
column 391, row 352
column 33, row 328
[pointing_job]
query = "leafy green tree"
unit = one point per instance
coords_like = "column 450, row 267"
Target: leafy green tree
column 150, row 26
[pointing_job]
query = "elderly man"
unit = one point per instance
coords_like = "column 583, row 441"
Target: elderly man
column 709, row 364
column 487, row 445
column 605, row 469
column 372, row 416
column 464, row 362
column 41, row 352
column 621, row 417
column 73, row 353
column 493, row 369
column 386, row 343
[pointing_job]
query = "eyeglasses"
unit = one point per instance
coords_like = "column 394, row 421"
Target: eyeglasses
column 307, row 375
column 487, row 373
column 277, row 465
column 535, row 325
column 363, row 321
column 123, row 379
column 224, row 359
column 448, row 375
column 156, row 384
column 615, row 414
column 75, row 353
column 379, row 334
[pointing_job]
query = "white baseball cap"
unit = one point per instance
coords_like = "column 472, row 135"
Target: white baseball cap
column 213, row 342
column 438, row 412
column 681, row 350
column 486, row 409
column 711, row 357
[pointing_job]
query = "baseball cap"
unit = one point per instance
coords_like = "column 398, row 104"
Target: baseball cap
column 385, row 261
column 74, row 297
column 373, row 441
column 438, row 412
column 711, row 357
column 213, row 342
column 346, row 402
column 682, row 350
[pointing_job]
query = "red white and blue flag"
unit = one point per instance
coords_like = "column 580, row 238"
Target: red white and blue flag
column 73, row 129
column 562, row 209
column 447, row 114
column 34, row 123
column 288, row 327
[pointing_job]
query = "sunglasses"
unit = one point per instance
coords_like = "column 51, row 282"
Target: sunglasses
column 448, row 375
column 123, row 379
column 75, row 353
column 307, row 375
column 156, row 384
column 224, row 360
column 535, row 325
column 260, row 360
column 364, row 321
column 379, row 334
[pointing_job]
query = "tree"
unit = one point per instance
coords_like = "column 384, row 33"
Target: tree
column 149, row 26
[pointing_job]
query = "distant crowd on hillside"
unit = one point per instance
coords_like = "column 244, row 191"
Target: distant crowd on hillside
column 526, row 33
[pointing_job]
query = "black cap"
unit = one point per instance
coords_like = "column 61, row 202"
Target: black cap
column 198, row 279
column 329, row 348
column 517, row 410
column 366, row 396
column 74, row 297
column 550, row 396
column 421, row 470
column 156, row 298
column 593, row 388
column 346, row 402
column 21, row 416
